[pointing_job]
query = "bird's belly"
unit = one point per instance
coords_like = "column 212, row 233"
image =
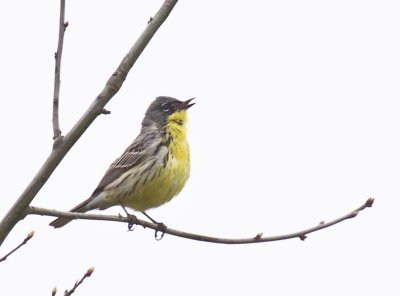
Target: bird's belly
column 160, row 186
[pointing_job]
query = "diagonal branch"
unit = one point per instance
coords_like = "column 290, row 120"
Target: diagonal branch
column 78, row 283
column 61, row 30
column 112, row 86
column 157, row 227
column 27, row 238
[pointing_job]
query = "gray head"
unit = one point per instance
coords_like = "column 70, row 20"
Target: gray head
column 162, row 108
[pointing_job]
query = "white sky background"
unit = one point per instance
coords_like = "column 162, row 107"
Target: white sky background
column 297, row 121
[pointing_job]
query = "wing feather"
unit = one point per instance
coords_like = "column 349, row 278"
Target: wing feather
column 138, row 151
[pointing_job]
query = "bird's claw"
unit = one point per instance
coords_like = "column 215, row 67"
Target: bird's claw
column 132, row 221
column 160, row 228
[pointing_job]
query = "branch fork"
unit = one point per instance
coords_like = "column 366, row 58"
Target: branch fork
column 17, row 211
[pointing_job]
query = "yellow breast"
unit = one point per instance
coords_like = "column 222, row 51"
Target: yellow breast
column 171, row 171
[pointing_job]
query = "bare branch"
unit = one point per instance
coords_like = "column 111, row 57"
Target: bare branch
column 112, row 86
column 62, row 26
column 258, row 238
column 28, row 237
column 87, row 274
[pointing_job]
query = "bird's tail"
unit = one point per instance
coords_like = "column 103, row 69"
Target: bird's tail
column 81, row 208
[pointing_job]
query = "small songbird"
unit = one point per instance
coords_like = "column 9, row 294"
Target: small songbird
column 152, row 170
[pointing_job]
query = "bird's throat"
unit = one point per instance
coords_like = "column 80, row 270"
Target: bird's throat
column 176, row 133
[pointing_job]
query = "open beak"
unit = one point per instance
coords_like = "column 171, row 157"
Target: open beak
column 186, row 104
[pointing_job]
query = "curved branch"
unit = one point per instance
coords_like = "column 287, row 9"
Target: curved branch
column 112, row 86
column 157, row 227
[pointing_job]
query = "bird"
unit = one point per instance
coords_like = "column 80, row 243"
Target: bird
column 154, row 167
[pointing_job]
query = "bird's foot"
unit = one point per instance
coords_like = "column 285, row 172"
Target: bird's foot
column 132, row 219
column 161, row 227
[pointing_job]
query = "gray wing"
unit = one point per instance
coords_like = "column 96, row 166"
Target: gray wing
column 132, row 156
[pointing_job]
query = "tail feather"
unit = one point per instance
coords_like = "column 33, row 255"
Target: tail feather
column 81, row 208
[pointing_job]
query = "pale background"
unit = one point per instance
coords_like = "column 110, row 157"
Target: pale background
column 296, row 121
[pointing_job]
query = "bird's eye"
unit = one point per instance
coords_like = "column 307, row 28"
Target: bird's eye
column 165, row 107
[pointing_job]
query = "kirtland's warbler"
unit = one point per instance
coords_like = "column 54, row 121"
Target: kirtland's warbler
column 152, row 170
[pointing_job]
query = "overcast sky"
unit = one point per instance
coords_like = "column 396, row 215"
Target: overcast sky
column 297, row 121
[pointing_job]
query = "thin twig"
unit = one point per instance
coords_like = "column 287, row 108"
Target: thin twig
column 17, row 211
column 28, row 237
column 61, row 29
column 258, row 238
column 87, row 274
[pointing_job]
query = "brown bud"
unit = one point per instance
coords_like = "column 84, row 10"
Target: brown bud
column 30, row 234
column 258, row 236
column 354, row 214
column 322, row 222
column 370, row 202
column 89, row 271
column 54, row 291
